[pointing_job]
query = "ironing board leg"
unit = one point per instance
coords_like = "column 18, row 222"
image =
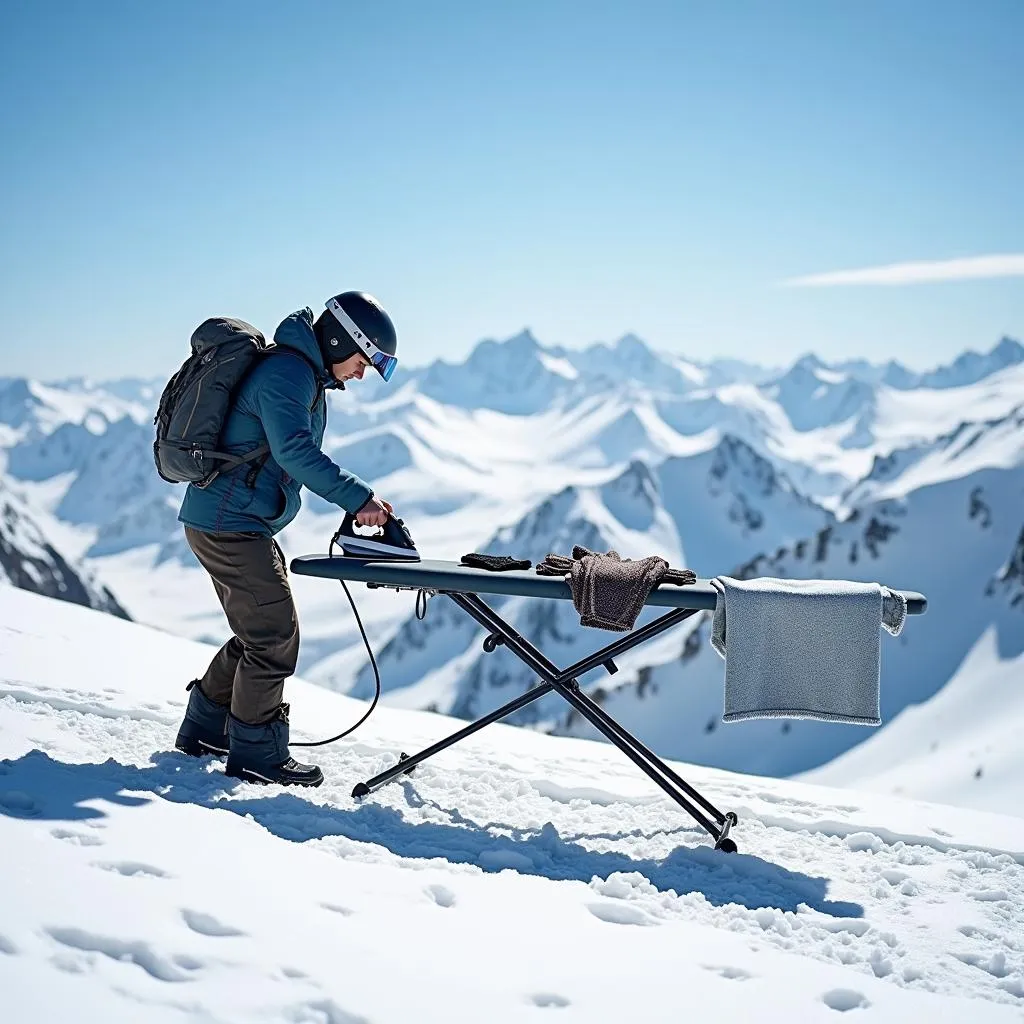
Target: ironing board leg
column 564, row 683
column 408, row 763
column 567, row 686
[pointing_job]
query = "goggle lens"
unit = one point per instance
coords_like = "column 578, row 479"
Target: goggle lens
column 384, row 364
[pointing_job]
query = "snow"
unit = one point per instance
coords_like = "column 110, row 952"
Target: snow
column 514, row 874
column 558, row 365
column 962, row 746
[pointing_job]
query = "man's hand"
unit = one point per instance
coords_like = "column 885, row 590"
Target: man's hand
column 374, row 513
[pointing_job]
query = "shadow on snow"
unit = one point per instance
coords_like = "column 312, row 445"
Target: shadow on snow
column 36, row 786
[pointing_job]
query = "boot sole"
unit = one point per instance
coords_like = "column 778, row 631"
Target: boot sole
column 197, row 748
column 246, row 775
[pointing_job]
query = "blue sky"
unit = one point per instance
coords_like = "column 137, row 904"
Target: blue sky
column 584, row 169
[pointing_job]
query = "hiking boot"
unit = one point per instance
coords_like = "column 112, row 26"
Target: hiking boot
column 259, row 753
column 205, row 726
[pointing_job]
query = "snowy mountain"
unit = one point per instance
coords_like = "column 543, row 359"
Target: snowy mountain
column 814, row 396
column 972, row 367
column 1009, row 580
column 28, row 560
column 949, row 526
column 516, row 874
column 515, row 376
column 968, row 368
column 729, row 501
column 522, row 377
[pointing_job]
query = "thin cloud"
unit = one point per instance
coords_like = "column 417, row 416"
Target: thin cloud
column 972, row 268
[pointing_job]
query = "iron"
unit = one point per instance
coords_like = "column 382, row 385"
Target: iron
column 392, row 544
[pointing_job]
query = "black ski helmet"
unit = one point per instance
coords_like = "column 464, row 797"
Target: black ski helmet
column 355, row 322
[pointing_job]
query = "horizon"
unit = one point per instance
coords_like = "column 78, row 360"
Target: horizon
column 779, row 368
column 721, row 183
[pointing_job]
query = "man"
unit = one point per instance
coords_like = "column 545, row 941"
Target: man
column 236, row 707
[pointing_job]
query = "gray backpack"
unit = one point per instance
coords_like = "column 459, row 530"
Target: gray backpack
column 196, row 401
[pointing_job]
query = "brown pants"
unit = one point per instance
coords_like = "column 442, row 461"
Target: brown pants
column 251, row 579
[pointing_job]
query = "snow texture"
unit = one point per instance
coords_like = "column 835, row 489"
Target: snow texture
column 514, row 875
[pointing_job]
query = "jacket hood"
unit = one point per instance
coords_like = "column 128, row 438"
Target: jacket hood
column 296, row 331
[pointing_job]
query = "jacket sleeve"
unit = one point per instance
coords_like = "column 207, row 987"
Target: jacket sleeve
column 283, row 399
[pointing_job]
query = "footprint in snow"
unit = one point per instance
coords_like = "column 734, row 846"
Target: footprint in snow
column 7, row 947
column 843, row 999
column 441, row 895
column 132, row 869
column 994, row 965
column 337, row 909
column 75, row 838
column 548, row 999
column 326, row 1010
column 206, row 924
column 732, row 973
column 619, row 913
column 123, row 951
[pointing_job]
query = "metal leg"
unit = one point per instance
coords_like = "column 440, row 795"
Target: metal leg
column 564, row 682
column 408, row 763
column 653, row 758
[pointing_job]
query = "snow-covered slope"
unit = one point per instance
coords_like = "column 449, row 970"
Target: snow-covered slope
column 517, row 874
column 729, row 501
column 963, row 746
column 814, row 396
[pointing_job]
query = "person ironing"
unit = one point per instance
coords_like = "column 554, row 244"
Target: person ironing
column 236, row 707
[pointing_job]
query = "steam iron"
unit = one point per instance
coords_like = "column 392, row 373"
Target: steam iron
column 392, row 543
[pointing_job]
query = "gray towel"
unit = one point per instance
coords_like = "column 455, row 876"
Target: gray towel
column 803, row 648
column 607, row 590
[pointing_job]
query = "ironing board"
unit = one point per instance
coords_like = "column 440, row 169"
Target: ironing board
column 464, row 585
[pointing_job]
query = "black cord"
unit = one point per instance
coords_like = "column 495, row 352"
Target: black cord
column 373, row 662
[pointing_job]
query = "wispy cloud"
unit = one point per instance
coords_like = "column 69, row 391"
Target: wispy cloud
column 972, row 268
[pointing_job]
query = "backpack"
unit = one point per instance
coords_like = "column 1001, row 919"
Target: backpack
column 196, row 401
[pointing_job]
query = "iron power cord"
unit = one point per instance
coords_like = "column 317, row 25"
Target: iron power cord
column 376, row 677
column 421, row 611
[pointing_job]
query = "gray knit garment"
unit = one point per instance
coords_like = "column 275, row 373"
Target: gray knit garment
column 803, row 648
column 607, row 590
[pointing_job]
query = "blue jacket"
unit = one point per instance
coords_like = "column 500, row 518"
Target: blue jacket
column 281, row 403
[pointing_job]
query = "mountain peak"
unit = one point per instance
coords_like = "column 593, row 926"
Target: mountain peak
column 1008, row 351
column 524, row 341
column 630, row 342
column 808, row 361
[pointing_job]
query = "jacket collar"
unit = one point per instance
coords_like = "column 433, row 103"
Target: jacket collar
column 296, row 332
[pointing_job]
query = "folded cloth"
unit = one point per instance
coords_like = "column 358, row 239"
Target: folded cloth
column 495, row 563
column 607, row 590
column 803, row 648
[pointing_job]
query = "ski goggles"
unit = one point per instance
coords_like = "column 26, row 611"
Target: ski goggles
column 383, row 363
